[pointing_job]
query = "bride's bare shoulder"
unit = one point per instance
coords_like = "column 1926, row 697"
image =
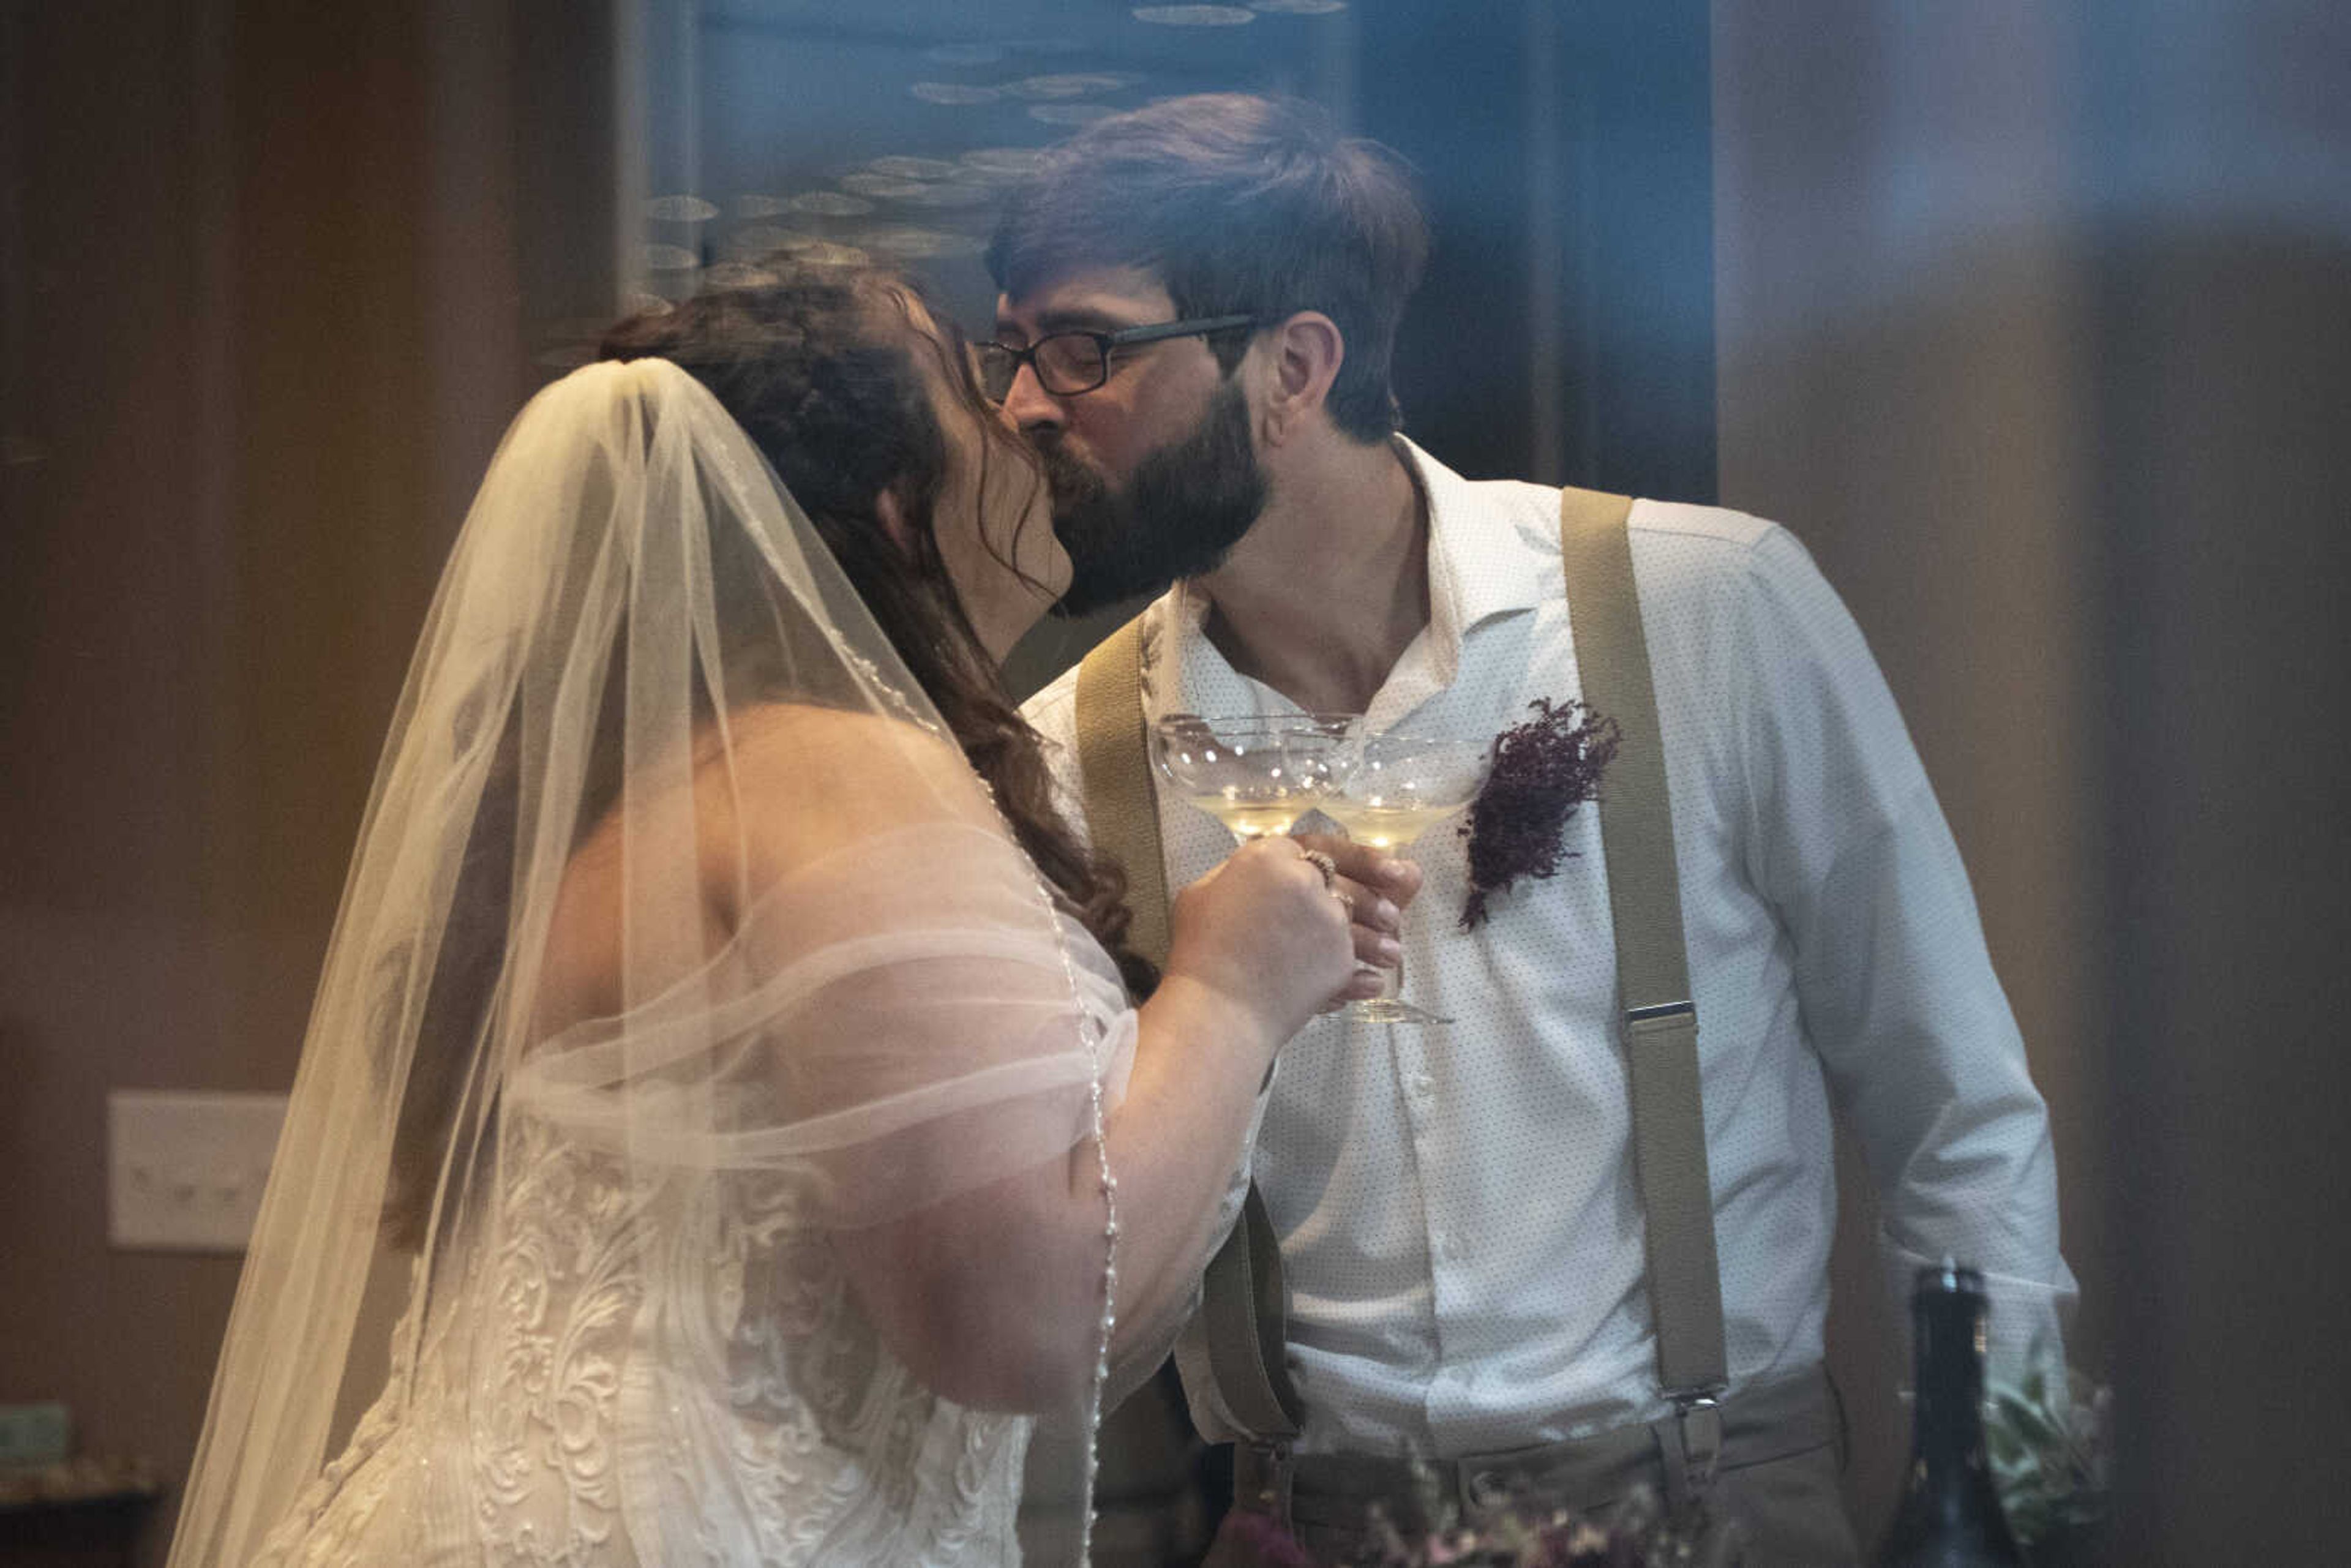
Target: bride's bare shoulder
column 800, row 741
column 776, row 789
column 806, row 778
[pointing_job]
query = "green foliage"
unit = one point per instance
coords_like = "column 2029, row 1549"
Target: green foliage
column 2049, row 1457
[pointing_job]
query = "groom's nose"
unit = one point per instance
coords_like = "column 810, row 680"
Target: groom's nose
column 1030, row 409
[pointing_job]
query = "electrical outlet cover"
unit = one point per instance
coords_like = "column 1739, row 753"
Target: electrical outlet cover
column 35, row 1433
column 185, row 1170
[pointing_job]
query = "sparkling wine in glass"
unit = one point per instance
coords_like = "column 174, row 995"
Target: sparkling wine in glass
column 1386, row 791
column 1255, row 773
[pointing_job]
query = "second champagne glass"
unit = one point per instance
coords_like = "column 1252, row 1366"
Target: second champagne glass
column 1386, row 790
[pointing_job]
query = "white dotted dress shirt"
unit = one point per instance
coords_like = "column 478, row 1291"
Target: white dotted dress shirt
column 1460, row 1224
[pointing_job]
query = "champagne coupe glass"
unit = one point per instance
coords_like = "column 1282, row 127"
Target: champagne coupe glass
column 1255, row 773
column 1387, row 790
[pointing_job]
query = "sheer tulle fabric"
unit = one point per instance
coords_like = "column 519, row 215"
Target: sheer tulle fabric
column 680, row 949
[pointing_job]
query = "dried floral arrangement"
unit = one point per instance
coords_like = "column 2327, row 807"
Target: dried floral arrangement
column 1542, row 769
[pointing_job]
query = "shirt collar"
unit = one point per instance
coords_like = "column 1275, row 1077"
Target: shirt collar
column 1482, row 563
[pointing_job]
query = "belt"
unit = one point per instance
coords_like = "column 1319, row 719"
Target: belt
column 1331, row 1492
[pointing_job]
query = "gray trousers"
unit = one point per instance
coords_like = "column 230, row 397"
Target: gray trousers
column 1775, row 1500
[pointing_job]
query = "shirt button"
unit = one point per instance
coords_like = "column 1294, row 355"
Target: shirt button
column 1421, row 1083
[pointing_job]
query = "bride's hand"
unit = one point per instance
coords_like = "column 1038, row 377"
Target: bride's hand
column 1267, row 932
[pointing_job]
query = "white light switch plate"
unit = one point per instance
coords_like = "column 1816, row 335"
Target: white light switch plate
column 185, row 1170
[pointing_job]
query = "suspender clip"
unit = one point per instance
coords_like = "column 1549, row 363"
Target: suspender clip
column 1698, row 1419
column 1265, row 1478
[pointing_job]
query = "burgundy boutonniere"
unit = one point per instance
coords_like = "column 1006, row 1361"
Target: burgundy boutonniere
column 1541, row 771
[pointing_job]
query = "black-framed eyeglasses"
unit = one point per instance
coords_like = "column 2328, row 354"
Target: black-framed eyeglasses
column 1068, row 363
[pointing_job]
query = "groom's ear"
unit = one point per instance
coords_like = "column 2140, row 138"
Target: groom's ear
column 1301, row 357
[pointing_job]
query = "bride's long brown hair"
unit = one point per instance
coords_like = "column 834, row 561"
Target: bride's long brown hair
column 819, row 369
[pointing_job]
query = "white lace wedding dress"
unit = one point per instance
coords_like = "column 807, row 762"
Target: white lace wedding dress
column 785, row 1435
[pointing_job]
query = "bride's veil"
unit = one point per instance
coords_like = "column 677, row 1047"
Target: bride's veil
column 682, row 957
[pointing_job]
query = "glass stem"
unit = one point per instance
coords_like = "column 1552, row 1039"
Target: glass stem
column 1391, row 979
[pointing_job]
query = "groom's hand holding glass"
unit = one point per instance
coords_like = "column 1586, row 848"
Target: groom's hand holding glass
column 1374, row 887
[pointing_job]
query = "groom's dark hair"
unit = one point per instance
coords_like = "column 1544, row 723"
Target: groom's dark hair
column 1239, row 204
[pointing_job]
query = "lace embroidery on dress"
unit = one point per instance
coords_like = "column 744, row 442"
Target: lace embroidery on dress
column 675, row 1373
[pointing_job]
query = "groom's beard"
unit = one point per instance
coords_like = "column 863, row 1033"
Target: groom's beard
column 1180, row 513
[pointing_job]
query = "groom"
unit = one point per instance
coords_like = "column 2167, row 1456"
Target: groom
column 1198, row 304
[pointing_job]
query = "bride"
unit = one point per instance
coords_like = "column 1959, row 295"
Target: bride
column 722, row 1041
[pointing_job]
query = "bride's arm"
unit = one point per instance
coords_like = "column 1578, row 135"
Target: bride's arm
column 956, row 1288
column 991, row 1295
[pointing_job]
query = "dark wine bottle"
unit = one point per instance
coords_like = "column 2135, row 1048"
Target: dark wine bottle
column 1949, row 1516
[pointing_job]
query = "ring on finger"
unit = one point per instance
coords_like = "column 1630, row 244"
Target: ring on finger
column 1326, row 865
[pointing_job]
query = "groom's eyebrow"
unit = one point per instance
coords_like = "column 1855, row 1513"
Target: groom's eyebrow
column 1070, row 318
column 1078, row 321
